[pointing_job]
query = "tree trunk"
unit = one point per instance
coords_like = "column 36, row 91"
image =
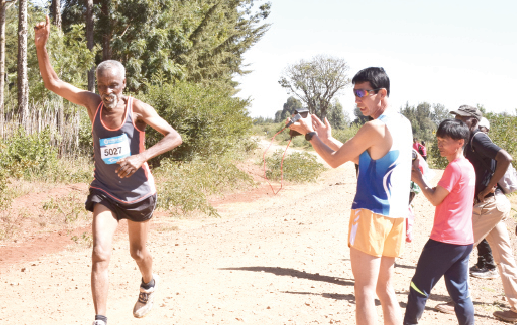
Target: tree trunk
column 89, row 42
column 56, row 11
column 3, row 7
column 23, row 82
column 106, row 37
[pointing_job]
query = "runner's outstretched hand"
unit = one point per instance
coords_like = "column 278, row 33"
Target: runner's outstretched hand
column 42, row 32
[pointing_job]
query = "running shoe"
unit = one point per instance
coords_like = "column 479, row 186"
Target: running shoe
column 485, row 273
column 99, row 322
column 507, row 315
column 447, row 308
column 145, row 300
column 475, row 268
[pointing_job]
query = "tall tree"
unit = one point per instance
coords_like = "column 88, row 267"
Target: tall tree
column 56, row 13
column 4, row 5
column 195, row 40
column 23, row 78
column 439, row 113
column 289, row 107
column 89, row 42
column 316, row 81
column 337, row 118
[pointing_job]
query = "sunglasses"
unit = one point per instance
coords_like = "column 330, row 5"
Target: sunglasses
column 363, row 92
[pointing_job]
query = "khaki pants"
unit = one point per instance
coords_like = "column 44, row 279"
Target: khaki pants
column 488, row 222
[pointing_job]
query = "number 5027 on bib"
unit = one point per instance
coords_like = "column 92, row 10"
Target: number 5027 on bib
column 114, row 149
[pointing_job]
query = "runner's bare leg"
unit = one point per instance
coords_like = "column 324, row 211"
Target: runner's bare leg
column 103, row 228
column 365, row 269
column 386, row 293
column 138, row 233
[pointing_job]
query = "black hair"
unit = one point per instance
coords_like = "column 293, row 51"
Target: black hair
column 454, row 129
column 377, row 77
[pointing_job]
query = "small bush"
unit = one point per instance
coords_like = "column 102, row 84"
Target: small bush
column 32, row 157
column 346, row 134
column 27, row 156
column 503, row 131
column 184, row 187
column 5, row 200
column 298, row 167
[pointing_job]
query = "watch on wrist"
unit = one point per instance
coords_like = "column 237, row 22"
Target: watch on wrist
column 309, row 136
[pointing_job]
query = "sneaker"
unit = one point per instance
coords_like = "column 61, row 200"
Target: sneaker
column 507, row 315
column 475, row 268
column 145, row 299
column 485, row 273
column 98, row 322
column 447, row 308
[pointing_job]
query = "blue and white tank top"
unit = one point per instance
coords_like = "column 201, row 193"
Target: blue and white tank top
column 383, row 184
column 110, row 145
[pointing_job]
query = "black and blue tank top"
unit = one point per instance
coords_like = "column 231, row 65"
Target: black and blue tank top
column 110, row 145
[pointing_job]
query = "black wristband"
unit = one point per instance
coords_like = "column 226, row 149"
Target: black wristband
column 309, row 136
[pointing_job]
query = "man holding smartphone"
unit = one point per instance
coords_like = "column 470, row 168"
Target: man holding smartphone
column 382, row 149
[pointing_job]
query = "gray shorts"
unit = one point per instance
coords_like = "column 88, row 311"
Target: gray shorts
column 139, row 211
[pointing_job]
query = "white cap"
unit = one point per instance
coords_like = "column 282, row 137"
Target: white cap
column 484, row 123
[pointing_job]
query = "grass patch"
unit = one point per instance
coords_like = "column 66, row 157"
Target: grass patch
column 185, row 186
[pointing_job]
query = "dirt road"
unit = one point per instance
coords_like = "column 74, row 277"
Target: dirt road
column 269, row 260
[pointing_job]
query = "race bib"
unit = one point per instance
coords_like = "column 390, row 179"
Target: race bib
column 113, row 149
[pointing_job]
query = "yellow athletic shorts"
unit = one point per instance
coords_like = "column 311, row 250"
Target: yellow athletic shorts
column 375, row 234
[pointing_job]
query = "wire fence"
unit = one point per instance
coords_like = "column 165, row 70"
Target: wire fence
column 63, row 124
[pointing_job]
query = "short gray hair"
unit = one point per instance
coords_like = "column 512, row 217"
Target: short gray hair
column 110, row 65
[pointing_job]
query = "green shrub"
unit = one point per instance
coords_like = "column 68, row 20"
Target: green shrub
column 32, row 157
column 297, row 166
column 185, row 187
column 503, row 131
column 209, row 119
column 346, row 134
column 5, row 200
column 27, row 156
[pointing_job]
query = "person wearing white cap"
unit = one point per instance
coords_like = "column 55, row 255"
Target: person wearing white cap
column 484, row 125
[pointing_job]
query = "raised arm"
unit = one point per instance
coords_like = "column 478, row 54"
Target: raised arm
column 373, row 136
column 51, row 79
column 146, row 113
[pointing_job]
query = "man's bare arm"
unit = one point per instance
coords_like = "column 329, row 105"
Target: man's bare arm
column 504, row 160
column 171, row 139
column 51, row 79
column 371, row 136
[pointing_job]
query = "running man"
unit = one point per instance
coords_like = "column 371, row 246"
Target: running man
column 123, row 187
column 382, row 149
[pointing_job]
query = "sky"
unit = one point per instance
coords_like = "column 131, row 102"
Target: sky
column 452, row 52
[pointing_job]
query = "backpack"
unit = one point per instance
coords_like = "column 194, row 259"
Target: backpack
column 508, row 182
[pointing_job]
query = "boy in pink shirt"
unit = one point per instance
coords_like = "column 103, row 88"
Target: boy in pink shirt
column 448, row 249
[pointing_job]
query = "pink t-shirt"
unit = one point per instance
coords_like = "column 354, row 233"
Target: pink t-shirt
column 424, row 151
column 453, row 217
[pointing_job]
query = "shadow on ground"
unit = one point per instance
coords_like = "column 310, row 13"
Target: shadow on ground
column 295, row 274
